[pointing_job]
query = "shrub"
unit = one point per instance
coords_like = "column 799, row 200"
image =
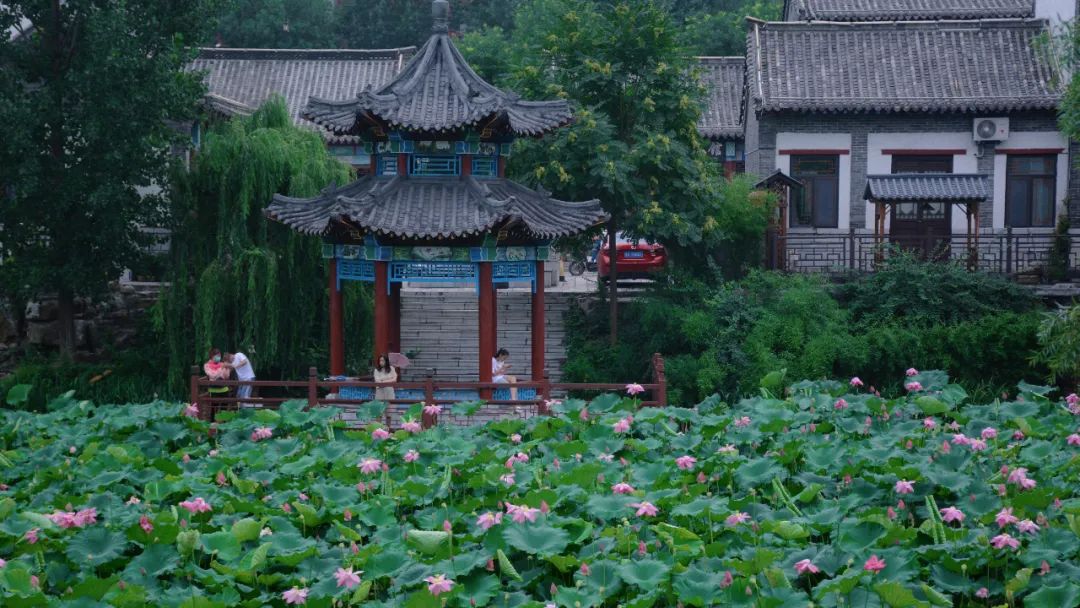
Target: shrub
column 1059, row 344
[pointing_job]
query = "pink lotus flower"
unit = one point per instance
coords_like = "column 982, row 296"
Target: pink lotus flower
column 736, row 518
column 515, row 438
column 1018, row 435
column 411, row 426
column 874, row 564
column 951, row 514
column 1073, row 439
column 1027, row 484
column 686, row 462
column 977, row 445
column 989, row 433
column 742, row 422
column 1004, row 540
column 3, row 562
column 622, row 426
column 262, row 432
column 551, row 403
column 642, row 549
column 412, row 456
column 212, row 453
column 855, row 382
column 728, row 449
column 945, row 447
column 191, row 410
column 634, row 389
column 346, row 515
column 622, row 488
column 701, row 478
column 929, row 423
column 804, row 565
column 508, row 479
column 912, row 372
column 295, row 595
column 221, row 479
column 645, row 509
column 913, row 386
column 840, row 404
column 489, row 519
column 432, row 409
column 904, row 487
column 982, row 593
column 890, row 513
column 63, row 519
column 86, row 517
column 521, row 513
column 196, row 506
column 727, row 580
column 370, row 465
column 1027, row 526
column 31, row 535
column 347, row 578
column 439, row 584
column 380, row 434
column 286, row 507
column 1044, row 568
column 1005, row 517
column 1073, row 400
column 583, row 414
column 606, row 457
column 584, row 569
column 134, row 500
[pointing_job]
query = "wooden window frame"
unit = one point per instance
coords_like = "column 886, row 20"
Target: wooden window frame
column 792, row 215
column 1010, row 181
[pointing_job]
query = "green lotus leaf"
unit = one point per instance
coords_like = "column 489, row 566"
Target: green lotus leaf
column 897, row 595
column 428, row 541
column 96, row 546
column 246, row 529
column 536, row 539
column 506, row 567
column 646, row 574
column 155, row 560
column 698, row 586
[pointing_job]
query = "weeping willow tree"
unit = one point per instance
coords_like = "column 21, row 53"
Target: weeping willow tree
column 240, row 281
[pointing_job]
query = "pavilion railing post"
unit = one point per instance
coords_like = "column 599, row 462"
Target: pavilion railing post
column 1008, row 250
column 194, row 392
column 660, row 378
column 544, row 395
column 429, row 420
column 312, row 387
column 851, row 248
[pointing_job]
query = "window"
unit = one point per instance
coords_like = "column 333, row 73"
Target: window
column 1030, row 185
column 817, row 203
column 925, row 211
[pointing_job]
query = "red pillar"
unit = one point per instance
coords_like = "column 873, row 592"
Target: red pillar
column 538, row 325
column 485, row 330
column 337, row 323
column 395, row 318
column 382, row 309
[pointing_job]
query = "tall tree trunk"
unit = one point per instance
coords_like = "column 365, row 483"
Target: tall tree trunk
column 65, row 314
column 613, row 280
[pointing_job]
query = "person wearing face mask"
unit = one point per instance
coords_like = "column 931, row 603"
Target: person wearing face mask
column 216, row 370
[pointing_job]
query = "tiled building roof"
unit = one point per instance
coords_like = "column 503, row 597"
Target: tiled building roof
column 722, row 116
column 437, row 91
column 933, row 187
column 958, row 66
column 906, row 10
column 444, row 208
column 240, row 80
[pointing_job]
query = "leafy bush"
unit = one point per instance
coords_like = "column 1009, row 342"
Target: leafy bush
column 771, row 503
column 921, row 292
column 1059, row 344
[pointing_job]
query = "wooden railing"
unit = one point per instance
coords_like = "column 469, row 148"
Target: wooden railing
column 323, row 391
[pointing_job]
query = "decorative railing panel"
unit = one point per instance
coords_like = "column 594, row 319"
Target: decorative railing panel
column 434, row 166
column 432, row 272
column 485, row 166
column 1003, row 252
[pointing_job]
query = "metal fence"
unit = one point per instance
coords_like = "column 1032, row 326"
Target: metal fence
column 1004, row 252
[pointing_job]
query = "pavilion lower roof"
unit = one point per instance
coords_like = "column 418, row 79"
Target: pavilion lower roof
column 435, row 208
column 929, row 187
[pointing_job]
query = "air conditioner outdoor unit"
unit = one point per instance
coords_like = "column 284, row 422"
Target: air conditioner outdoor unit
column 991, row 129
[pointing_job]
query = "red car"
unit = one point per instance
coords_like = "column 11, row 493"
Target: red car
column 635, row 259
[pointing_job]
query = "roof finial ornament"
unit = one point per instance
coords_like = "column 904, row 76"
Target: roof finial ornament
column 440, row 16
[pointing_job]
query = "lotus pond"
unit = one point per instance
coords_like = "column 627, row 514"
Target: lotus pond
column 830, row 497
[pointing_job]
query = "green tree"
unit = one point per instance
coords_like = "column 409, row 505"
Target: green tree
column 238, row 279
column 86, row 92
column 722, row 31
column 277, row 24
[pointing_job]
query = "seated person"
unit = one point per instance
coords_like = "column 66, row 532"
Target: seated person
column 499, row 366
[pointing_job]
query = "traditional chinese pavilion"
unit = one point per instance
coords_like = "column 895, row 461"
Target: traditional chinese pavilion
column 436, row 207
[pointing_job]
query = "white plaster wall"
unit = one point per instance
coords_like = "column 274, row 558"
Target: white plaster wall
column 878, row 163
column 821, row 141
column 1055, row 10
column 1037, row 139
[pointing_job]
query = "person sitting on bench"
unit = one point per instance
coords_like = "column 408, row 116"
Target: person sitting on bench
column 499, row 366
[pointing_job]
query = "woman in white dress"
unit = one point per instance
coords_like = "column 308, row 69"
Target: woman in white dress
column 384, row 374
column 499, row 366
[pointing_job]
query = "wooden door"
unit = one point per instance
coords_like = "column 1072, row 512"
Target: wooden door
column 924, row 228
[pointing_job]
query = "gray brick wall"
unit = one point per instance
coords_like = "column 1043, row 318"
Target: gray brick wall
column 761, row 144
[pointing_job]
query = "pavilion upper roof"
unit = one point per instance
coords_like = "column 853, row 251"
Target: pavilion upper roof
column 435, row 208
column 437, row 91
column 906, row 10
column 721, row 118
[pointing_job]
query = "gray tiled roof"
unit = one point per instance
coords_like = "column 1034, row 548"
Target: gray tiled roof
column 907, row 10
column 931, row 187
column 436, row 208
column 438, row 91
column 959, row 66
column 239, row 79
column 722, row 116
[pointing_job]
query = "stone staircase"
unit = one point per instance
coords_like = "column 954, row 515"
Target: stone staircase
column 440, row 327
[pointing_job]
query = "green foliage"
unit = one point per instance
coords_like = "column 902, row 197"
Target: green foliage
column 277, row 24
column 1059, row 344
column 726, row 339
column 240, row 281
column 1057, row 267
column 795, row 479
column 372, row 24
column 917, row 292
column 83, row 145
column 720, row 29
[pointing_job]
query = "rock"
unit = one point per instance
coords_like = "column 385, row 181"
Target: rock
column 43, row 333
column 42, row 310
column 85, row 335
column 7, row 329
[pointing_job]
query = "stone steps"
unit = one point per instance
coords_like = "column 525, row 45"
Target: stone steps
column 440, row 328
